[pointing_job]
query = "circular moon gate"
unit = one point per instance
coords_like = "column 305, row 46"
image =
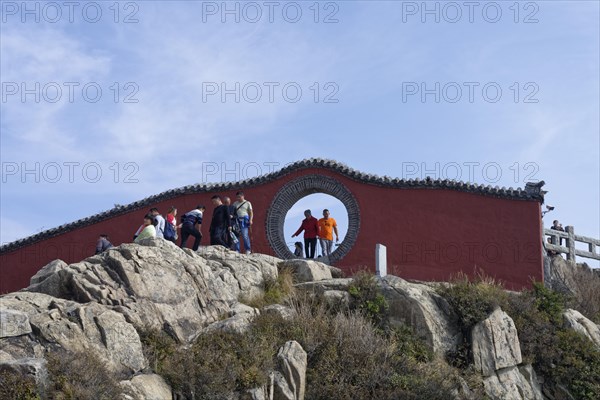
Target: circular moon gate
column 295, row 190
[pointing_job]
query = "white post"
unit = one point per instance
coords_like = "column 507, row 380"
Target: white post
column 381, row 260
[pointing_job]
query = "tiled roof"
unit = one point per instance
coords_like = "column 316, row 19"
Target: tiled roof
column 532, row 192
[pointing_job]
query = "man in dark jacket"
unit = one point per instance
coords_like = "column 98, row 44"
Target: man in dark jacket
column 220, row 224
column 191, row 223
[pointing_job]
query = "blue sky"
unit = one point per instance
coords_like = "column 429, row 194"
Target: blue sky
column 371, row 62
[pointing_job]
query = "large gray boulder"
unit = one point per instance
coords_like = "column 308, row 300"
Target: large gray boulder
column 156, row 285
column 34, row 367
column 85, row 328
column 306, row 270
column 420, row 307
column 513, row 383
column 13, row 323
column 146, row 387
column 288, row 382
column 497, row 355
column 495, row 343
column 98, row 306
column 575, row 320
column 293, row 364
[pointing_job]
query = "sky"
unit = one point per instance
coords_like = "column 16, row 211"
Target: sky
column 109, row 102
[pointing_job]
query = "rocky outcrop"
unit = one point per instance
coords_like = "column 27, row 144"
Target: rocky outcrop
column 307, row 270
column 158, row 285
column 497, row 355
column 288, row 382
column 146, row 387
column 293, row 363
column 89, row 327
column 575, row 320
column 495, row 343
column 100, row 304
column 410, row 304
column 420, row 307
column 13, row 323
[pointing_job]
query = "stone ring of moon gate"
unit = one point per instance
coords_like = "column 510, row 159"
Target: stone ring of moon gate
column 301, row 187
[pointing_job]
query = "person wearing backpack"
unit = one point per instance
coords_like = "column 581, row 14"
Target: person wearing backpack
column 171, row 225
column 160, row 222
column 191, row 223
column 243, row 215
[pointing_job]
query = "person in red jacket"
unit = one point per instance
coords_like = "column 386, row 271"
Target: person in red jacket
column 310, row 226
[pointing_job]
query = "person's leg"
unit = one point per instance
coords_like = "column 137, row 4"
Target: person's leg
column 185, row 234
column 246, row 237
column 313, row 244
column 198, row 237
column 307, row 247
column 220, row 236
column 329, row 247
column 322, row 243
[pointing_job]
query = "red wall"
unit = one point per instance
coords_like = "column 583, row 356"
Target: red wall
column 430, row 234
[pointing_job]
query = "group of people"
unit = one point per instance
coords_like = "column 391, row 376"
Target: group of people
column 557, row 226
column 230, row 225
column 322, row 229
column 229, row 222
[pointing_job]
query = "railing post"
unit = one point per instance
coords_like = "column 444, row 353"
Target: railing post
column 571, row 243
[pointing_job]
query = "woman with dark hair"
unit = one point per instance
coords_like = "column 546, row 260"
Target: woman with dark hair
column 149, row 230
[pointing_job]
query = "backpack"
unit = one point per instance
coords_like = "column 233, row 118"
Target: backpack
column 170, row 232
column 235, row 223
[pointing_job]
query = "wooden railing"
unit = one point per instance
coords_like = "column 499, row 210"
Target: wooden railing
column 557, row 238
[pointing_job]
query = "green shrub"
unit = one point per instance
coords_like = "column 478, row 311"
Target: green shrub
column 80, row 376
column 366, row 296
column 473, row 301
column 562, row 356
column 158, row 346
column 586, row 292
column 548, row 302
column 276, row 291
column 16, row 386
column 219, row 362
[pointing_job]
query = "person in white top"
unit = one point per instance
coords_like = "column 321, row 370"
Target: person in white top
column 160, row 222
column 244, row 214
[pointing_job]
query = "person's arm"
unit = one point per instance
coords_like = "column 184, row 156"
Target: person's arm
column 299, row 230
column 226, row 217
column 250, row 213
column 337, row 237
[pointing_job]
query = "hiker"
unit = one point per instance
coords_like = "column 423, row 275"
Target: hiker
column 298, row 250
column 232, row 222
column 310, row 226
column 191, row 223
column 243, row 215
column 171, row 225
column 149, row 230
column 220, row 223
column 327, row 225
column 160, row 222
column 103, row 244
column 557, row 226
